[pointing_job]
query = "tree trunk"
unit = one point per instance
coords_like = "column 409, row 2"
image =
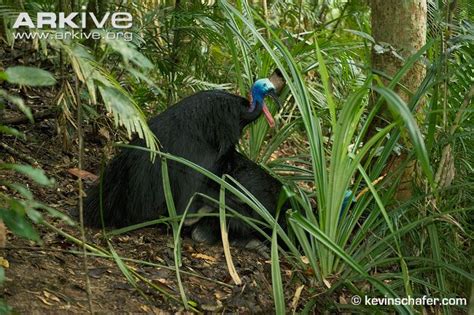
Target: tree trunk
column 99, row 8
column 400, row 27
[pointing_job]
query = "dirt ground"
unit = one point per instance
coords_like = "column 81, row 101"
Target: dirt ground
column 48, row 278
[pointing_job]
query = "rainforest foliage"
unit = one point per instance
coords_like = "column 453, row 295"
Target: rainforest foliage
column 350, row 123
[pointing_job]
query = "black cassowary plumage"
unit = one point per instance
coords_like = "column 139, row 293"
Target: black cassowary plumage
column 203, row 128
column 259, row 183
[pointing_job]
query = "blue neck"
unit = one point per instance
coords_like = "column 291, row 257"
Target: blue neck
column 254, row 110
column 257, row 101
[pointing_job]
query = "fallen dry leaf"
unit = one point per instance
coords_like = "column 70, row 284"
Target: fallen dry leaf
column 296, row 297
column 145, row 308
column 51, row 296
column 4, row 263
column 83, row 174
column 304, row 260
column 3, row 234
column 327, row 283
column 44, row 301
column 204, row 257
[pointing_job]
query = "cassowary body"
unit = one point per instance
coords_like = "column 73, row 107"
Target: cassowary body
column 203, row 128
column 259, row 183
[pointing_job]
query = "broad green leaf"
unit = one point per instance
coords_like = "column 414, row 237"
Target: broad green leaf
column 18, row 224
column 29, row 76
column 35, row 174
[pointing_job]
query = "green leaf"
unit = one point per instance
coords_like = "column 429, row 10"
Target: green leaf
column 12, row 131
column 361, row 34
column 34, row 215
column 4, row 308
column 277, row 283
column 174, row 224
column 297, row 221
column 399, row 107
column 18, row 102
column 34, row 173
column 29, row 76
column 18, row 224
column 123, row 267
column 23, row 190
column 130, row 53
column 239, row 191
column 53, row 212
column 127, row 113
column 326, row 84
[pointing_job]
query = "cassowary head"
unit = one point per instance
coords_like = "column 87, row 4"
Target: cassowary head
column 260, row 89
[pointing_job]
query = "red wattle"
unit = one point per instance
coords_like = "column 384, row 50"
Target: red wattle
column 268, row 116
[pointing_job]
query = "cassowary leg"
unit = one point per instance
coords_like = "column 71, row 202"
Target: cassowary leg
column 253, row 244
column 206, row 230
column 194, row 220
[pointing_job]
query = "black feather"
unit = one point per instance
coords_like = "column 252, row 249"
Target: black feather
column 259, row 183
column 202, row 128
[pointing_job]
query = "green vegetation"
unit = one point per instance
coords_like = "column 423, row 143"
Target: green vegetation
column 378, row 245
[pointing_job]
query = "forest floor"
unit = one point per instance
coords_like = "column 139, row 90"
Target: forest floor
column 49, row 277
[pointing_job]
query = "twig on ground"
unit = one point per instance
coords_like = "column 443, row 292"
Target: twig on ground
column 20, row 155
column 48, row 113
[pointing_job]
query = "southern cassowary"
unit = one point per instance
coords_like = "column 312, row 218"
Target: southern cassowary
column 203, row 128
column 259, row 183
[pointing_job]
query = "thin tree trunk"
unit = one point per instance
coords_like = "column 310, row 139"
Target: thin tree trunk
column 99, row 8
column 174, row 52
column 400, row 27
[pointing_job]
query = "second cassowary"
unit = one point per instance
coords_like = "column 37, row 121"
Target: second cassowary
column 260, row 184
column 203, row 128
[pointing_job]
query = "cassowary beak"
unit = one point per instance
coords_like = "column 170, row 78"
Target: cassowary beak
column 274, row 95
column 266, row 111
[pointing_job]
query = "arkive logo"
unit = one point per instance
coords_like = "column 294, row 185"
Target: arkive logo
column 73, row 25
column 61, row 20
